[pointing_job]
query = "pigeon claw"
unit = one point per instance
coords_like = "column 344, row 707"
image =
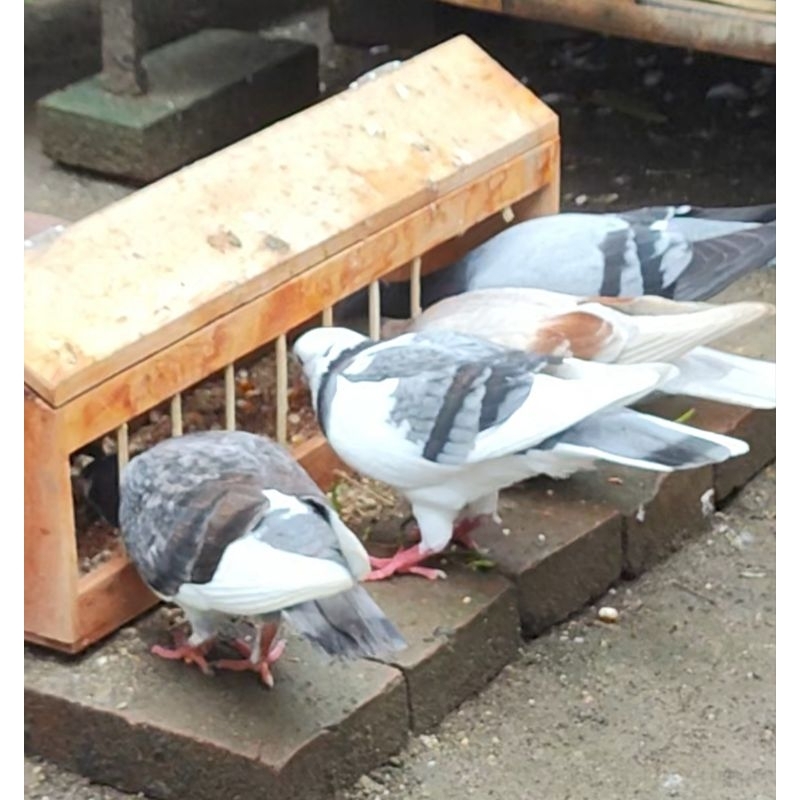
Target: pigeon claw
column 269, row 652
column 184, row 651
column 402, row 562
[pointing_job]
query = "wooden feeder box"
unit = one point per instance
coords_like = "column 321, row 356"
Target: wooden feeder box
column 133, row 305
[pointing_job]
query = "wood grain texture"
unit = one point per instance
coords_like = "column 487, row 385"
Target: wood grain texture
column 109, row 596
column 139, row 275
column 228, row 338
column 51, row 557
column 741, row 30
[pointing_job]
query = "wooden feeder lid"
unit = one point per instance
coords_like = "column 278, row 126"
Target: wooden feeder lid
column 137, row 276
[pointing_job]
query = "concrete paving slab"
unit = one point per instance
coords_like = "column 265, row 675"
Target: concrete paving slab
column 206, row 91
column 561, row 549
column 461, row 631
column 119, row 709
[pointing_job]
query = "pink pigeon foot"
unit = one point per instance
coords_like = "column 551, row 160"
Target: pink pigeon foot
column 403, row 561
column 183, row 650
column 462, row 533
column 269, row 652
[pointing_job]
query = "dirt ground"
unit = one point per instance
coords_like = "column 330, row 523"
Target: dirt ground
column 678, row 698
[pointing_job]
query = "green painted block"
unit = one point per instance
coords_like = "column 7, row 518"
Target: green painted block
column 207, row 91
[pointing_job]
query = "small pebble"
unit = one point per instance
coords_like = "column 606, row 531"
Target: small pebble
column 466, row 600
column 429, row 741
column 608, row 614
column 541, row 538
column 506, row 531
column 579, row 640
column 581, row 200
column 464, row 742
column 369, row 784
column 672, row 784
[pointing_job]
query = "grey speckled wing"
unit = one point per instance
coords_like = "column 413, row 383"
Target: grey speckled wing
column 450, row 388
column 186, row 499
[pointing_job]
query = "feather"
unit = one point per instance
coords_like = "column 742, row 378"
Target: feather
column 226, row 524
column 449, row 419
column 620, row 331
column 680, row 252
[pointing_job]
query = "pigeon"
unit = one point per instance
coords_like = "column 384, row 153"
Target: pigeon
column 679, row 252
column 449, row 419
column 228, row 526
column 626, row 330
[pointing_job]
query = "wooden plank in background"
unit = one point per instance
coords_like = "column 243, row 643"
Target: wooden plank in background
column 738, row 32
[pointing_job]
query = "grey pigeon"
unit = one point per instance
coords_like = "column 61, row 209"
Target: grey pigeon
column 679, row 252
column 449, row 419
column 228, row 526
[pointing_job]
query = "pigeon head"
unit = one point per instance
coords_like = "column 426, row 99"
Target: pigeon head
column 318, row 348
column 100, row 484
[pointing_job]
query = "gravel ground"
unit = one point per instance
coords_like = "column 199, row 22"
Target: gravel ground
column 678, row 698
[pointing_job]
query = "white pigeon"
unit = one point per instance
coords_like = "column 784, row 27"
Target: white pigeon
column 448, row 420
column 680, row 252
column 624, row 330
column 227, row 525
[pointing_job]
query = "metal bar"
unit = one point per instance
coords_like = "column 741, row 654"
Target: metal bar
column 176, row 412
column 327, row 316
column 230, row 398
column 281, row 388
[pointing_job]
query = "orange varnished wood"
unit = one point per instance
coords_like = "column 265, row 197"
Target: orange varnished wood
column 109, row 596
column 228, row 338
column 51, row 560
column 168, row 259
column 535, row 193
column 319, row 461
column 150, row 296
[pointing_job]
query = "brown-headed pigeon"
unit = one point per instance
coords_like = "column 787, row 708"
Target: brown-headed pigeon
column 620, row 330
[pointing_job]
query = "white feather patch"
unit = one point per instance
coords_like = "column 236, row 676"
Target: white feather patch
column 256, row 578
